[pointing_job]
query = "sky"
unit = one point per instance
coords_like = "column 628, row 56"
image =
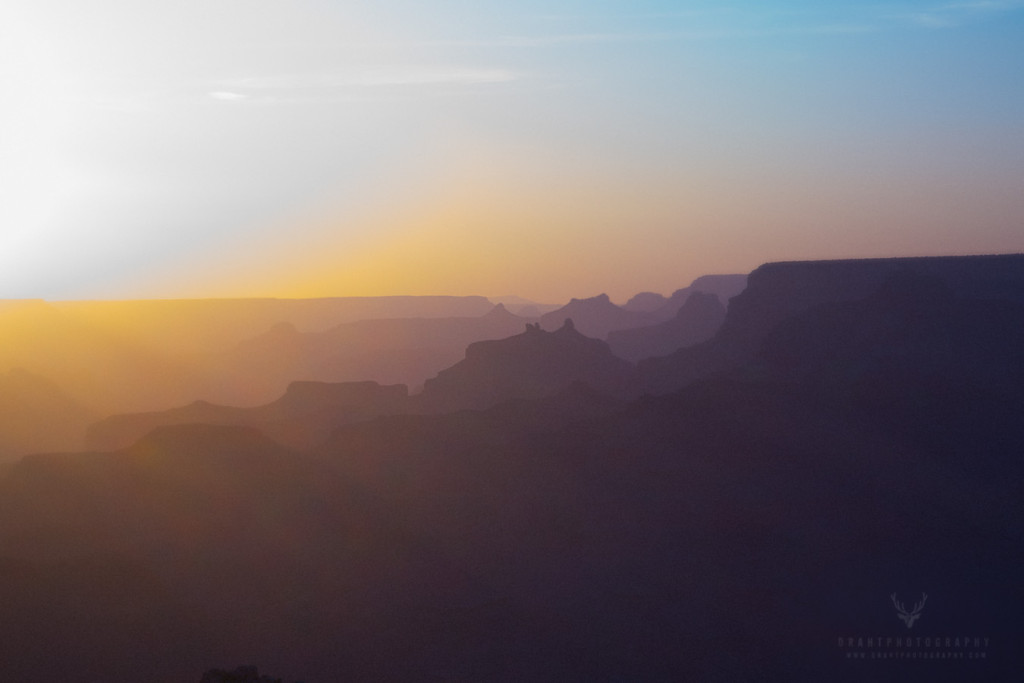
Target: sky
column 557, row 149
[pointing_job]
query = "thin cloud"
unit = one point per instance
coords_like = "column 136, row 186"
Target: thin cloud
column 932, row 20
column 670, row 14
column 707, row 34
column 355, row 84
column 527, row 41
column 226, row 96
column 736, row 23
column 373, row 77
column 953, row 14
column 371, row 83
column 985, row 5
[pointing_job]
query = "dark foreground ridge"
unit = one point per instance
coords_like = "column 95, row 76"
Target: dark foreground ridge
column 242, row 674
column 856, row 444
column 778, row 292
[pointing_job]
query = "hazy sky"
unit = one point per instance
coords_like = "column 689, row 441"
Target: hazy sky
column 548, row 149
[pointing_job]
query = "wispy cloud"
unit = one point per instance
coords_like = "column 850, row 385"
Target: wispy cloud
column 932, row 19
column 724, row 23
column 703, row 34
column 528, row 40
column 376, row 76
column 227, row 96
column 353, row 83
column 952, row 14
column 985, row 5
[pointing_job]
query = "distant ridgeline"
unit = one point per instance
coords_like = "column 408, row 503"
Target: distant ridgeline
column 815, row 319
column 64, row 364
column 198, row 325
column 741, row 507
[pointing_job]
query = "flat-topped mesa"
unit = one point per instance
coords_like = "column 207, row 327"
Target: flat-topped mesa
column 779, row 292
column 776, row 291
column 646, row 302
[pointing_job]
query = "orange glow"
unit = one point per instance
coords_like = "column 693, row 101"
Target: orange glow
column 567, row 232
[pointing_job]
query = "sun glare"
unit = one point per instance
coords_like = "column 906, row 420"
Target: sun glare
column 38, row 112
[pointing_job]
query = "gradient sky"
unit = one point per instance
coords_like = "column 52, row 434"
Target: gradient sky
column 547, row 149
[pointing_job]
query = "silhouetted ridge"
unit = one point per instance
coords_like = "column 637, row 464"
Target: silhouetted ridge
column 595, row 317
column 216, row 324
column 696, row 321
column 913, row 324
column 529, row 365
column 242, row 674
column 524, row 308
column 725, row 287
column 778, row 291
column 388, row 351
column 302, row 417
column 306, row 397
column 202, row 440
column 499, row 312
column 857, row 431
column 645, row 302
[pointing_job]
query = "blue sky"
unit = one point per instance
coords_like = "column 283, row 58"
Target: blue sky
column 263, row 147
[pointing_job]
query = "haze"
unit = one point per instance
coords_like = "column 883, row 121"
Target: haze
column 555, row 149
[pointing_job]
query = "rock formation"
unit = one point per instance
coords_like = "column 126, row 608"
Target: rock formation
column 780, row 291
column 533, row 364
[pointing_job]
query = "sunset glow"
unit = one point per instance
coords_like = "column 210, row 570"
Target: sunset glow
column 279, row 149
column 559, row 340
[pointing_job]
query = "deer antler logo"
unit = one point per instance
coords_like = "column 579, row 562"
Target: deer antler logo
column 909, row 617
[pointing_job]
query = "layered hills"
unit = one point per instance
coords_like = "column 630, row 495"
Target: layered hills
column 35, row 414
column 724, row 287
column 595, row 317
column 181, row 326
column 116, row 356
column 695, row 321
column 535, row 364
column 388, row 351
column 852, row 430
column 304, row 416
